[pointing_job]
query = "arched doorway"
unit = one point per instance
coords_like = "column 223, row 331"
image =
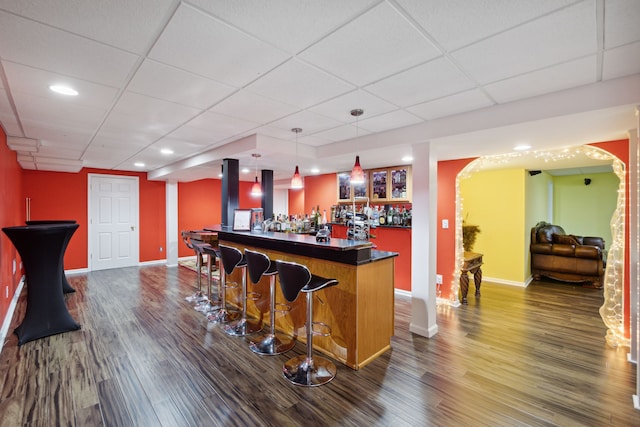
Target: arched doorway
column 612, row 310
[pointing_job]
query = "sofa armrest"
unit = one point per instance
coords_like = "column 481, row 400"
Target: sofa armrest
column 587, row 251
column 593, row 241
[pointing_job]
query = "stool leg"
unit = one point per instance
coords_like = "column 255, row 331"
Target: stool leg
column 243, row 326
column 306, row 370
column 208, row 306
column 198, row 296
column 272, row 343
column 222, row 315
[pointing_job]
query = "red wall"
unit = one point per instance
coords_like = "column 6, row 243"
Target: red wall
column 296, row 202
column 61, row 195
column 12, row 213
column 620, row 149
column 446, row 238
column 320, row 190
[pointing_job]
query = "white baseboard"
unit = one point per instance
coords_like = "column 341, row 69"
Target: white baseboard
column 154, row 262
column 7, row 319
column 507, row 282
column 402, row 293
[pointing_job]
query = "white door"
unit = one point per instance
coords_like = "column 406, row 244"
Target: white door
column 113, row 221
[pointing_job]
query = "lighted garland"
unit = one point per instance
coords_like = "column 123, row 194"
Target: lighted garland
column 611, row 311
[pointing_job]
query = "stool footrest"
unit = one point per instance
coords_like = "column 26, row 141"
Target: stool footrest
column 322, row 330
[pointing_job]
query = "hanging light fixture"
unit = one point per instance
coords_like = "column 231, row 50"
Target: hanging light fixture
column 296, row 180
column 256, row 188
column 357, row 173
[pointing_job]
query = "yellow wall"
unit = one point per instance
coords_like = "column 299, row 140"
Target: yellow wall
column 495, row 201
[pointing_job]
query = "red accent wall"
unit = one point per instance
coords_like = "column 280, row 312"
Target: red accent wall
column 12, row 213
column 620, row 149
column 296, row 202
column 320, row 190
column 61, row 195
column 198, row 206
column 446, row 238
column 245, row 199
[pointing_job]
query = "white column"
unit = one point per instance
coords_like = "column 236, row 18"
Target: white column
column 634, row 240
column 423, row 241
column 172, row 223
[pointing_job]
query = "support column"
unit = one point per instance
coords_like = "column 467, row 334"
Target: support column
column 423, row 243
column 230, row 190
column 634, row 242
column 171, row 250
column 267, row 193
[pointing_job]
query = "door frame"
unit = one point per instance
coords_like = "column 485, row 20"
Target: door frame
column 91, row 229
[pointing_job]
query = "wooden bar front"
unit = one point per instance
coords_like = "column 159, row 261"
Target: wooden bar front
column 359, row 310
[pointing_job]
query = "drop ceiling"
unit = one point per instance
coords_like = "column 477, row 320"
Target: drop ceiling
column 210, row 79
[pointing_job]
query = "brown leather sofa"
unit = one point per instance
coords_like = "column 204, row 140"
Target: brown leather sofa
column 565, row 257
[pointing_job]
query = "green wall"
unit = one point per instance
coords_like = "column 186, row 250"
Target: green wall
column 586, row 210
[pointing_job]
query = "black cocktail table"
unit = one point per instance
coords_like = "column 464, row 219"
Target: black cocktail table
column 41, row 248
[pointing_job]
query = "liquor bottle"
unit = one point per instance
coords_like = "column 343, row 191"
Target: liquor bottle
column 390, row 216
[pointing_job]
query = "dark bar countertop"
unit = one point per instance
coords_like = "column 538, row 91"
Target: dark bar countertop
column 345, row 251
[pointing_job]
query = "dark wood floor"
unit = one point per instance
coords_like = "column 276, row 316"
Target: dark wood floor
column 144, row 357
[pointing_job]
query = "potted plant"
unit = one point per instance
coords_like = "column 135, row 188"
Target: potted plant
column 469, row 234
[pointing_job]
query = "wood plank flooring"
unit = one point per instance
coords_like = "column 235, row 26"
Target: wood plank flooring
column 144, row 357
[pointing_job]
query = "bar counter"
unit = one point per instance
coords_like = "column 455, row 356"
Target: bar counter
column 360, row 310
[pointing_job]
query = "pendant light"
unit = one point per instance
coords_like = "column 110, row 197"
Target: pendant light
column 296, row 180
column 357, row 174
column 256, row 188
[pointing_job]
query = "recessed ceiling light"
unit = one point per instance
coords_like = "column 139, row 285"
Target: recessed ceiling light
column 315, row 170
column 245, row 170
column 63, row 90
column 220, row 175
column 522, row 147
column 166, row 151
column 407, row 159
column 138, row 164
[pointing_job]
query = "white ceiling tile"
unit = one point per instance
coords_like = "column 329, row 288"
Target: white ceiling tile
column 559, row 77
column 127, row 129
column 621, row 61
column 340, row 107
column 425, row 82
column 309, row 121
column 108, row 139
column 153, row 114
column 57, row 133
column 553, row 39
column 392, row 120
column 379, row 43
column 124, row 24
column 198, row 136
column 53, row 150
column 299, row 84
column 197, row 42
column 57, row 112
column 454, row 104
column 276, row 20
column 44, row 47
column 456, row 23
column 621, row 22
column 220, row 126
column 172, row 84
column 33, row 81
column 341, row 133
column 244, row 103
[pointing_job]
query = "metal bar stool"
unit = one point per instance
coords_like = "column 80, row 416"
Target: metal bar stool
column 197, row 296
column 271, row 343
column 231, row 259
column 211, row 254
column 305, row 370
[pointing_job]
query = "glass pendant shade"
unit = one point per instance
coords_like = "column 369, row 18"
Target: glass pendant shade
column 256, row 189
column 296, row 180
column 357, row 174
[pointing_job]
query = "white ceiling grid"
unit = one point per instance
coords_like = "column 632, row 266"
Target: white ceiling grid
column 198, row 75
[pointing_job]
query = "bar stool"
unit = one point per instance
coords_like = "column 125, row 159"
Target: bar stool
column 229, row 261
column 271, row 343
column 211, row 254
column 198, row 296
column 305, row 370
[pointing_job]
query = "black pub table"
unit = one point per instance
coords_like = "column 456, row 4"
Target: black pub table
column 41, row 248
column 66, row 287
